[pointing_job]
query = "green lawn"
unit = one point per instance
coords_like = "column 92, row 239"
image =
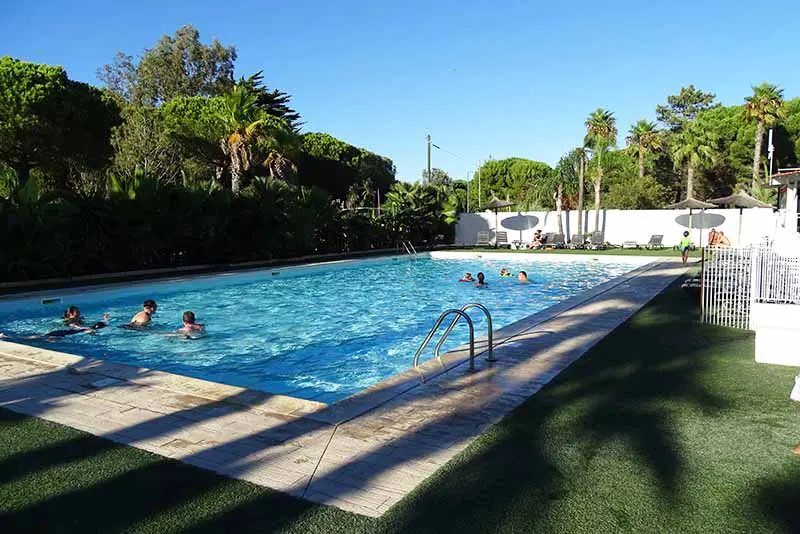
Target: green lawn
column 665, row 426
column 664, row 252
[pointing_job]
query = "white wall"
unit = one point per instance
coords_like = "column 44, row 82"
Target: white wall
column 624, row 225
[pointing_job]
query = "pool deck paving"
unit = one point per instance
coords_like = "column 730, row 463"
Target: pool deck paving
column 362, row 454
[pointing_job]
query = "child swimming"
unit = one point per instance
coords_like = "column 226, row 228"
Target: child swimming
column 190, row 324
column 505, row 273
column 73, row 319
column 467, row 278
column 481, row 280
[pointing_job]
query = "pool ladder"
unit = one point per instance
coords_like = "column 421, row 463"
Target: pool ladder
column 409, row 246
column 458, row 315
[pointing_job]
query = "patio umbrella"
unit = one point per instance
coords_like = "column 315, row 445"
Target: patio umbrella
column 740, row 200
column 691, row 204
column 496, row 204
column 520, row 222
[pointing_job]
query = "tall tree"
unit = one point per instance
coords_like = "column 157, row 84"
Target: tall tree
column 51, row 123
column 579, row 154
column 508, row 178
column 765, row 108
column 273, row 102
column 178, row 65
column 143, row 142
column 643, row 137
column 684, row 107
column 601, row 136
column 437, row 177
column 556, row 185
column 247, row 130
column 694, row 147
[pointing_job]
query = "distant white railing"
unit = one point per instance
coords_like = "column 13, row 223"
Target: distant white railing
column 734, row 278
column 776, row 277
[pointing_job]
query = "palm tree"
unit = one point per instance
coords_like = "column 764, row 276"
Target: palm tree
column 695, row 148
column 601, row 135
column 643, row 137
column 562, row 181
column 250, row 132
column 765, row 107
column 579, row 155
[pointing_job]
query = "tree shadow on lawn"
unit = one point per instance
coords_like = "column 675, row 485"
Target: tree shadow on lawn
column 620, row 399
column 779, row 497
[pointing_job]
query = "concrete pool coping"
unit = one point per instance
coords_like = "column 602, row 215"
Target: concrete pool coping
column 279, row 438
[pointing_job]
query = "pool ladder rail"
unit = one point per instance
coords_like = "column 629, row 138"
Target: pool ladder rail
column 458, row 315
column 410, row 250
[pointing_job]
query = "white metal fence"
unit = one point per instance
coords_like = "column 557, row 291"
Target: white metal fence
column 726, row 281
column 776, row 277
column 735, row 278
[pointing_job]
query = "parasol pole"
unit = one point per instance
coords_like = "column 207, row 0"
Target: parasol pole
column 741, row 211
column 496, row 226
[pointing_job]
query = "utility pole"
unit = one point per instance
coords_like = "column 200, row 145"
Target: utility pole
column 428, row 137
column 467, row 191
column 480, row 164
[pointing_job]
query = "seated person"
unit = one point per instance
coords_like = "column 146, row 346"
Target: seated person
column 538, row 239
column 504, row 273
column 467, row 278
column 143, row 317
column 713, row 237
column 722, row 240
column 481, row 280
column 523, row 277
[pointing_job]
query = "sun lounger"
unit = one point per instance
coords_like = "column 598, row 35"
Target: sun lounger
column 501, row 239
column 630, row 244
column 598, row 241
column 483, row 239
column 577, row 241
column 656, row 242
column 557, row 241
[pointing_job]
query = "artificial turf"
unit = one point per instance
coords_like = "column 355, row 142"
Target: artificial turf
column 666, row 426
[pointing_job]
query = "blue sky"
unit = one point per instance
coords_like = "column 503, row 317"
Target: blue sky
column 516, row 79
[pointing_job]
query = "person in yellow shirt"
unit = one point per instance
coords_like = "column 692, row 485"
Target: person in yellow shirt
column 684, row 245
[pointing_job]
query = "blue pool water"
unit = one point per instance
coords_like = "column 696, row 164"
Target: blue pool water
column 321, row 335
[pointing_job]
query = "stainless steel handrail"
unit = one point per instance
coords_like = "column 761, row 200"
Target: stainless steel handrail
column 464, row 308
column 436, row 327
column 409, row 246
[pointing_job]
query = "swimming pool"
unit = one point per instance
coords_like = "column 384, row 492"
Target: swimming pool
column 320, row 333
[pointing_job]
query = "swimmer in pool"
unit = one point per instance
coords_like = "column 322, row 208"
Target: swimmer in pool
column 481, row 280
column 72, row 316
column 74, row 327
column 74, row 319
column 467, row 278
column 190, row 324
column 504, row 273
column 143, row 317
column 523, row 277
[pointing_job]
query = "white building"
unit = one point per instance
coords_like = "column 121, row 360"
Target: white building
column 786, row 182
